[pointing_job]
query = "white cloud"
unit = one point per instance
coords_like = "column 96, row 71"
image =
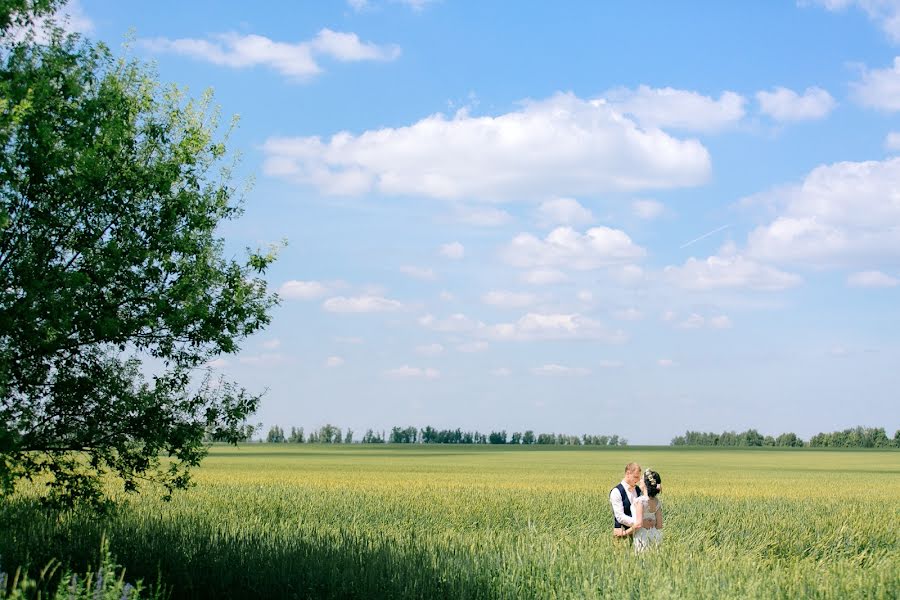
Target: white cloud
column 471, row 347
column 70, row 17
column 455, row 323
column 271, row 344
column 845, row 213
column 647, row 209
column 783, row 104
column 886, row 13
column 407, row 372
column 720, row 322
column 729, row 271
column 429, row 349
column 422, row 273
column 361, row 304
column 218, row 363
column 566, row 248
column 358, row 5
column 543, row 277
column 560, row 146
column 453, row 250
column 537, row 326
column 628, row 275
column 628, row 314
column 266, row 359
column 666, row 362
column 683, row 110
column 563, row 211
column 503, row 299
column 698, row 321
column 302, row 290
column 872, row 279
column 585, row 296
column 879, row 88
column 501, row 372
column 892, row 141
column 482, row 217
column 561, row 371
column 296, row 61
column 334, row 361
column 609, row 364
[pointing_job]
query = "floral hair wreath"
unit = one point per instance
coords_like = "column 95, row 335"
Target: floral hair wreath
column 648, row 475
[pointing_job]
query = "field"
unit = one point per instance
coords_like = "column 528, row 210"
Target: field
column 289, row 521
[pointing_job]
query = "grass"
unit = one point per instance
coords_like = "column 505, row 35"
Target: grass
column 292, row 521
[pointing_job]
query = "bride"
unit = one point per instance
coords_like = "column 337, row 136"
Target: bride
column 648, row 516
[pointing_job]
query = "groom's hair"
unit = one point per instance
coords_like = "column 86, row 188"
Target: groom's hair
column 632, row 466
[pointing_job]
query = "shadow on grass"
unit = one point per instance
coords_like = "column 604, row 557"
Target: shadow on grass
column 197, row 560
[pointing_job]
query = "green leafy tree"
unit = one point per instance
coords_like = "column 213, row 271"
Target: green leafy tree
column 111, row 192
column 276, row 435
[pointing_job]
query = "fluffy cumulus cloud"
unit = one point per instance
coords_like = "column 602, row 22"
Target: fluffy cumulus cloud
column 423, row 273
column 698, row 321
column 886, row 13
column 563, row 211
column 543, row 277
column 455, row 323
column 563, row 145
column 566, row 248
column 892, row 141
column 506, row 299
column 430, row 349
column 302, row 290
column 453, row 250
column 407, row 372
column 332, row 362
column 297, row 61
column 361, row 304
column 647, row 209
column 553, row 370
column 666, row 362
column 729, row 270
column 783, row 104
column 675, row 109
column 842, row 214
column 471, row 347
column 538, row 326
column 872, row 279
column 879, row 88
column 482, row 216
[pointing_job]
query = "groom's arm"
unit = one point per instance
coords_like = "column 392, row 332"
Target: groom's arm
column 618, row 510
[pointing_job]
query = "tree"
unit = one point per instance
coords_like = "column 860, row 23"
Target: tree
column 275, row 435
column 111, row 192
column 528, row 437
column 296, row 436
column 348, row 437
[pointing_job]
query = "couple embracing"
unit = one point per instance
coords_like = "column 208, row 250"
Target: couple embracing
column 637, row 513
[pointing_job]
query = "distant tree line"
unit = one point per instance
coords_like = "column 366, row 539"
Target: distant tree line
column 329, row 434
column 857, row 437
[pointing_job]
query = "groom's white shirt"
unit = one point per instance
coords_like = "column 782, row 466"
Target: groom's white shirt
column 615, row 498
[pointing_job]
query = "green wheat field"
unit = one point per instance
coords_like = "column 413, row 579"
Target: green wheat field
column 354, row 521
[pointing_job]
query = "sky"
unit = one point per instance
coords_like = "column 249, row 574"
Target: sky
column 584, row 217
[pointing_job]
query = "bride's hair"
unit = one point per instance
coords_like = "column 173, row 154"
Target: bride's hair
column 652, row 481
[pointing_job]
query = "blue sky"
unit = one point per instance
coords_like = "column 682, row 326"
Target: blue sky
column 596, row 218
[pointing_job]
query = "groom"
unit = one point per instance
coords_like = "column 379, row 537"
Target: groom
column 622, row 497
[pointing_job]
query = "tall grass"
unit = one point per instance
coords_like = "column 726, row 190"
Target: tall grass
column 413, row 522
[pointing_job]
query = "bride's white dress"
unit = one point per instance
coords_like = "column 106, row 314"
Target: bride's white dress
column 648, row 537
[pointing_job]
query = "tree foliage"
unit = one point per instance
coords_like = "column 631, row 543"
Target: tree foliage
column 115, row 289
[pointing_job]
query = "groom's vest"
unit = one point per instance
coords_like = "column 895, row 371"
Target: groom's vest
column 626, row 504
